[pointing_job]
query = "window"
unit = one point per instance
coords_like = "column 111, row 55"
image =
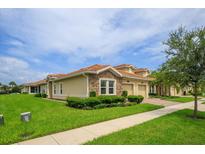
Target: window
column 111, row 87
column 34, row 90
column 61, row 88
column 107, row 87
column 103, row 86
column 54, row 89
column 152, row 89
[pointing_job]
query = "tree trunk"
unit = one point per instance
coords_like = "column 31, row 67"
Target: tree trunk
column 195, row 101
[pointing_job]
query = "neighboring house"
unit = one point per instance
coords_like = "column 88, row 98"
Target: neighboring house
column 35, row 87
column 1, row 88
column 103, row 79
column 162, row 90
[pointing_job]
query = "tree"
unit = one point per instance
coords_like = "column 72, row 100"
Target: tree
column 16, row 89
column 186, row 59
column 12, row 84
column 163, row 81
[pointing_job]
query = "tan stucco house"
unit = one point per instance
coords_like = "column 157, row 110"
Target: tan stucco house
column 103, row 79
column 35, row 87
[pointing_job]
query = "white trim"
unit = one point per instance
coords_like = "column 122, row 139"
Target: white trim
column 87, row 83
column 59, row 86
column 29, row 89
column 57, row 89
column 53, row 83
column 112, row 69
column 107, row 86
column 88, row 89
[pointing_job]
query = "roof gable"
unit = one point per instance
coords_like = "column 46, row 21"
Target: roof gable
column 111, row 69
column 94, row 69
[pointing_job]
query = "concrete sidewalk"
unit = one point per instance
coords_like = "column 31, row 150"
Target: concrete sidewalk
column 83, row 134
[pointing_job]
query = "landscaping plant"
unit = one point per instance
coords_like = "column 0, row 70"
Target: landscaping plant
column 92, row 94
column 43, row 95
column 124, row 93
column 138, row 99
column 38, row 95
column 95, row 102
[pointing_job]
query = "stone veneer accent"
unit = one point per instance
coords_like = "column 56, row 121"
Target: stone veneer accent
column 94, row 82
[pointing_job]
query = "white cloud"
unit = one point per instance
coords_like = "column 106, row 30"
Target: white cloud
column 13, row 69
column 68, row 30
column 82, row 34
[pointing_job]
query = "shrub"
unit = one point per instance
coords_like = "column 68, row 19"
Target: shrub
column 105, row 99
column 16, row 89
column 75, row 102
column 117, row 99
column 37, row 95
column 132, row 98
column 100, row 106
column 124, row 93
column 92, row 94
column 91, row 101
column 95, row 102
column 138, row 99
column 24, row 92
column 111, row 99
column 43, row 95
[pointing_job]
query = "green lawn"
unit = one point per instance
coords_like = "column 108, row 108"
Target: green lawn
column 178, row 99
column 176, row 128
column 51, row 116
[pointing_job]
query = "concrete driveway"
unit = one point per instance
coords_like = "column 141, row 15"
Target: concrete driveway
column 157, row 101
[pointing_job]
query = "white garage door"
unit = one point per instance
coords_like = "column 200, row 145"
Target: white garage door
column 142, row 90
column 128, row 88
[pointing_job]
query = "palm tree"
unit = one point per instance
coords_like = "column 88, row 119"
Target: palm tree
column 12, row 83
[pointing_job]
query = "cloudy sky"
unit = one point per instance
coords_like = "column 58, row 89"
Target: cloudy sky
column 35, row 42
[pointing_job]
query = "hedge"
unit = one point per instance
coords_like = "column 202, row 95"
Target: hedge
column 92, row 94
column 138, row 99
column 91, row 101
column 37, row 95
column 111, row 99
column 43, row 95
column 95, row 102
column 75, row 102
